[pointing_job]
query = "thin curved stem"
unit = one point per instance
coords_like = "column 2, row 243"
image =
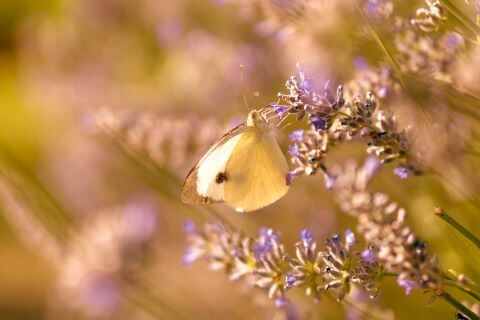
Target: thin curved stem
column 460, row 307
column 454, row 223
column 467, row 290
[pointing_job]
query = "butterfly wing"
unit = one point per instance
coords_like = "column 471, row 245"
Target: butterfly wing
column 204, row 182
column 255, row 172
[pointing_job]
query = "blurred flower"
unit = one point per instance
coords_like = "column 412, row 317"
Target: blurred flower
column 431, row 18
column 382, row 224
column 27, row 225
column 100, row 258
column 433, row 57
column 165, row 140
column 378, row 10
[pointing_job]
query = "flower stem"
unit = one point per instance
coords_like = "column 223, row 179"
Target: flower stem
column 460, row 307
column 468, row 291
column 389, row 274
column 461, row 17
column 446, row 217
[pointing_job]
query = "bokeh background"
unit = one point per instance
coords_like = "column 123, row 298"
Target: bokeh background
column 90, row 231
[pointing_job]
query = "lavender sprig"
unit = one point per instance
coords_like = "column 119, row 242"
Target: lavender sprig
column 382, row 224
column 333, row 119
column 263, row 262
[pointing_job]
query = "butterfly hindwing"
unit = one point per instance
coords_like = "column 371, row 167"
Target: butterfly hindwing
column 255, row 172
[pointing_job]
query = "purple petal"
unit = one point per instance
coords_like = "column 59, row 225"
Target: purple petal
column 402, row 172
column 408, row 285
column 368, row 255
column 306, row 235
column 329, row 180
column 349, row 237
column 296, row 135
column 293, row 150
column 189, row 227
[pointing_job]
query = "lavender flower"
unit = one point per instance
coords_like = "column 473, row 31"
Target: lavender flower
column 333, row 120
column 163, row 140
column 101, row 257
column 264, row 263
column 307, row 266
column 382, row 224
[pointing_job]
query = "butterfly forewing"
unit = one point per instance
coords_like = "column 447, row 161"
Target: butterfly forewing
column 205, row 182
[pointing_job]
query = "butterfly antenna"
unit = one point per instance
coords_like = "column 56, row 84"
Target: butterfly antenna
column 281, row 121
column 286, row 125
column 242, row 84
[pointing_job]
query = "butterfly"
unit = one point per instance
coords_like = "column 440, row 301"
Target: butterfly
column 245, row 169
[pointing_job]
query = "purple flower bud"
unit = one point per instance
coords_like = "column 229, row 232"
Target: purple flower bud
column 371, row 166
column 402, row 172
column 408, row 285
column 281, row 301
column 371, row 7
column 265, row 241
column 296, row 135
column 300, row 70
column 289, row 178
column 306, row 236
column 360, row 63
column 336, row 238
column 368, row 255
column 279, row 109
column 453, row 41
column 329, row 180
column 383, row 91
column 305, row 83
column 190, row 256
column 349, row 237
column 293, row 150
column 189, row 227
column 318, row 122
column 290, row 280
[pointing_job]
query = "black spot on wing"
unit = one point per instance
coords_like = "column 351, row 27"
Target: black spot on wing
column 221, row 177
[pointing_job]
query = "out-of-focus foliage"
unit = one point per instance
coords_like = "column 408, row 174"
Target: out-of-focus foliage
column 105, row 106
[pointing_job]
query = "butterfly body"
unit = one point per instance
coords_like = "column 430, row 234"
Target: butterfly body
column 245, row 169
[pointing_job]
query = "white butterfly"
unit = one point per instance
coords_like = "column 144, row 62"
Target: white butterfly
column 245, row 169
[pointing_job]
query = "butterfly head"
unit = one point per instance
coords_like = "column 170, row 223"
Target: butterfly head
column 255, row 119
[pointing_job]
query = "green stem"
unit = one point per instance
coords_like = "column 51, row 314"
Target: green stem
column 383, row 47
column 460, row 307
column 470, row 292
column 462, row 18
column 389, row 274
column 467, row 234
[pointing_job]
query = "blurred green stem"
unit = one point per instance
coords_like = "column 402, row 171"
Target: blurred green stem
column 469, row 291
column 462, row 18
column 460, row 307
column 393, row 63
column 467, row 234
